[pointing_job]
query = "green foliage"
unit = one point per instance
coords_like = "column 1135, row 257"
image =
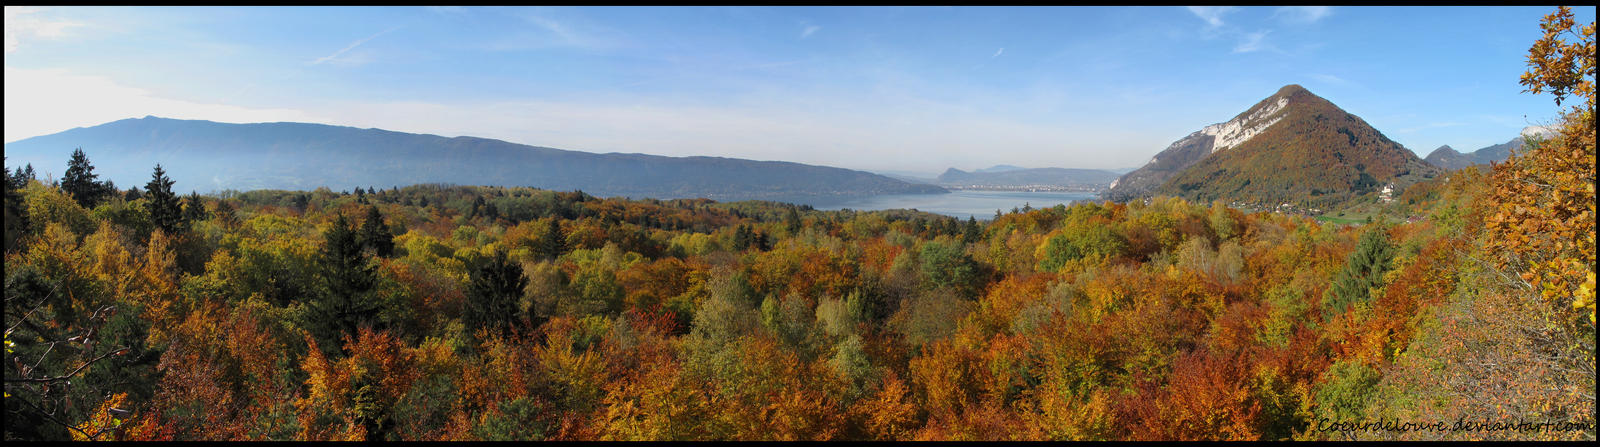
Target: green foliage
column 194, row 208
column 494, row 295
column 375, row 234
column 349, row 278
column 945, row 264
column 79, row 181
column 1079, row 242
column 1346, row 390
column 1363, row 272
column 518, row 420
column 552, row 243
column 16, row 211
column 165, row 212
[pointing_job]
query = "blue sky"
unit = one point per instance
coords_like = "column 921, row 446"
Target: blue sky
column 910, row 89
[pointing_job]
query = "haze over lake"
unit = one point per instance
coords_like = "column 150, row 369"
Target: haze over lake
column 962, row 203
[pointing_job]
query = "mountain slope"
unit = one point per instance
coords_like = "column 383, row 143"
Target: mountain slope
column 1198, row 145
column 1085, row 178
column 206, row 156
column 1450, row 160
column 1316, row 156
column 1447, row 158
column 1293, row 147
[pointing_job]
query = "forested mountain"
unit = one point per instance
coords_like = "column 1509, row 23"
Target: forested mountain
column 1011, row 176
column 1000, row 168
column 1293, row 147
column 207, row 156
column 1449, row 159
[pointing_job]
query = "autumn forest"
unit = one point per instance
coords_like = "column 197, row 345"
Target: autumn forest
column 444, row 312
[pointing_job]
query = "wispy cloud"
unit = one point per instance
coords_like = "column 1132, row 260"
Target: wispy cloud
column 1211, row 14
column 1328, row 78
column 1251, row 42
column 1302, row 15
column 809, row 30
column 1433, row 125
column 352, row 46
column 565, row 31
column 22, row 22
column 557, row 28
column 997, row 52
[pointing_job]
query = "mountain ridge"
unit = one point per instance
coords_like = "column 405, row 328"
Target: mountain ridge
column 272, row 155
column 1293, row 147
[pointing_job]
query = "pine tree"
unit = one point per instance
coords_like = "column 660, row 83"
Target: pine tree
column 350, row 278
column 494, row 296
column 375, row 235
column 79, row 181
column 552, row 244
column 477, row 208
column 194, row 209
column 163, row 205
column 742, row 238
column 226, row 214
column 970, row 232
column 1362, row 272
column 758, row 239
column 791, row 220
column 16, row 212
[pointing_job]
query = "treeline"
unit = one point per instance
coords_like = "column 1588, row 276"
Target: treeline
column 323, row 315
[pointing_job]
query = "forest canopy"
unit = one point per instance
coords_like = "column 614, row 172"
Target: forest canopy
column 440, row 312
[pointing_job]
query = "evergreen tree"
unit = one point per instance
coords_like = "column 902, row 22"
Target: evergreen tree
column 552, row 244
column 970, row 232
column 350, row 277
column 477, row 208
column 1362, row 272
column 742, row 237
column 194, row 209
column 132, row 194
column 375, row 235
column 16, row 212
column 79, row 181
column 494, row 296
column 165, row 212
column 791, row 220
column 226, row 214
column 758, row 239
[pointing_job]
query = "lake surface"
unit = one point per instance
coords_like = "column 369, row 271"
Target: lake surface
column 962, row 203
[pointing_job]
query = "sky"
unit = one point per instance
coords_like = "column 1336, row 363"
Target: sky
column 908, row 89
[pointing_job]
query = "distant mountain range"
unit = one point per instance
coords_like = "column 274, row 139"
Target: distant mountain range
column 210, row 156
column 998, row 168
column 1293, row 147
column 1447, row 157
column 1011, row 176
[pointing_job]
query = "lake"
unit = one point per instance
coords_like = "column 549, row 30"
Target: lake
column 962, row 203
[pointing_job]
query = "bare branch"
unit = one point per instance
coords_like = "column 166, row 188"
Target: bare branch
column 69, row 375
